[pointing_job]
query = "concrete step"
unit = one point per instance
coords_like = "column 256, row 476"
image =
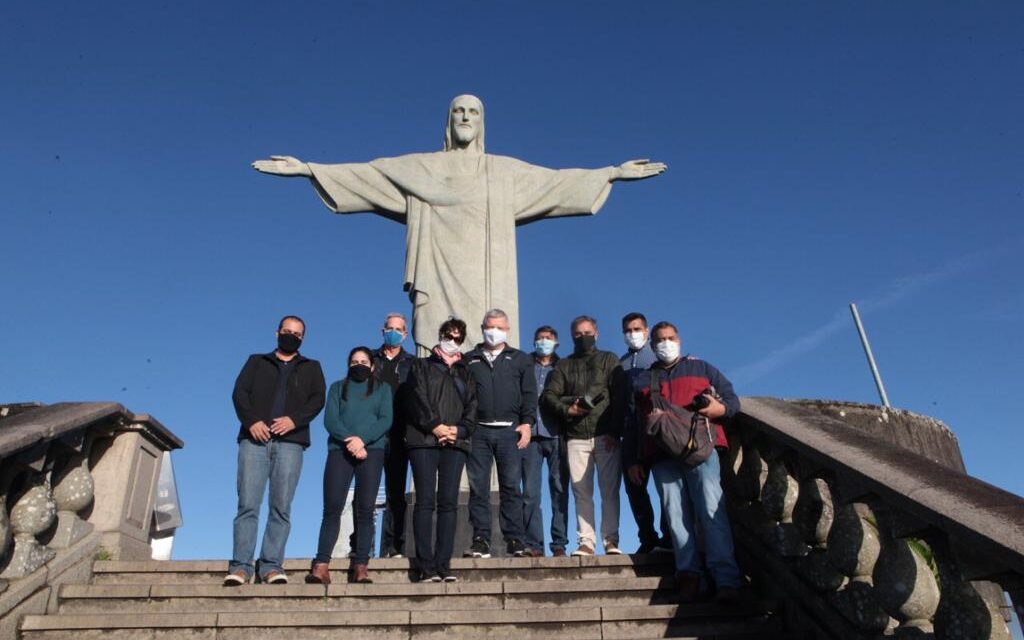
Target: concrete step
column 661, row 621
column 538, row 594
column 398, row 570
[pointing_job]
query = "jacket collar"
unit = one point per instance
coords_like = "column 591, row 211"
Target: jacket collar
column 273, row 358
column 402, row 354
column 478, row 351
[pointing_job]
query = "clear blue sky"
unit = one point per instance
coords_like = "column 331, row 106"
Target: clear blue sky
column 819, row 153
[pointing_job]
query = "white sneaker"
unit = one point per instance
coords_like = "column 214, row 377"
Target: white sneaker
column 583, row 550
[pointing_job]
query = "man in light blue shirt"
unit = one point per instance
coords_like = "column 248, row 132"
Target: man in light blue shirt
column 545, row 445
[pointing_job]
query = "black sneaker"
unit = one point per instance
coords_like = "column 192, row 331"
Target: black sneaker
column 447, row 577
column 479, row 549
column 516, row 549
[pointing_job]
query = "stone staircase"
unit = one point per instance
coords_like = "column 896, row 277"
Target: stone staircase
column 520, row 598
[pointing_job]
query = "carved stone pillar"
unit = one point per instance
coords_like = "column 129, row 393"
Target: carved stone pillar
column 5, row 534
column 750, row 480
column 906, row 585
column 813, row 516
column 778, row 499
column 72, row 491
column 853, row 548
column 32, row 514
column 962, row 613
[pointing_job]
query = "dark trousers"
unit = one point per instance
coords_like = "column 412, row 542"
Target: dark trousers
column 497, row 445
column 396, row 475
column 338, row 474
column 436, row 472
column 539, row 450
column 643, row 511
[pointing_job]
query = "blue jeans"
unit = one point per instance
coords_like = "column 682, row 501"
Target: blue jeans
column 539, row 450
column 280, row 463
column 497, row 445
column 692, row 497
column 339, row 471
column 436, row 473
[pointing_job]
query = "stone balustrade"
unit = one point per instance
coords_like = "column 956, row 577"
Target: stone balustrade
column 75, row 479
column 867, row 525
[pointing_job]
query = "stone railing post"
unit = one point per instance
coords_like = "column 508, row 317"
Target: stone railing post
column 73, row 491
column 32, row 514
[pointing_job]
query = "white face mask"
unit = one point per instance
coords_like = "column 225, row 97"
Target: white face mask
column 635, row 340
column 494, row 337
column 449, row 347
column 667, row 351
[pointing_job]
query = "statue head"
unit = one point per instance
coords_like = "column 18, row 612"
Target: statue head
column 465, row 125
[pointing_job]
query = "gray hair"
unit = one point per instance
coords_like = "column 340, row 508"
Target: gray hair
column 578, row 319
column 395, row 314
column 494, row 314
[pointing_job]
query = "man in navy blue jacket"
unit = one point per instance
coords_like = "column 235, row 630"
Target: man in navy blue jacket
column 506, row 392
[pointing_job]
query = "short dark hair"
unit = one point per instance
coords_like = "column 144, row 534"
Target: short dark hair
column 545, row 329
column 664, row 324
column 631, row 316
column 280, row 325
column 452, row 323
column 578, row 319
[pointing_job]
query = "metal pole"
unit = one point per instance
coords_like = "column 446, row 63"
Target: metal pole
column 871, row 358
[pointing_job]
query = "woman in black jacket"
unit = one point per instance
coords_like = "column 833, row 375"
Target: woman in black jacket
column 442, row 420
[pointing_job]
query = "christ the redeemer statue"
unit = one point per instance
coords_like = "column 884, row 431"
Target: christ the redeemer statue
column 460, row 207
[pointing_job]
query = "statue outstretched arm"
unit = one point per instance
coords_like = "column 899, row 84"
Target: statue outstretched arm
column 286, row 166
column 638, row 170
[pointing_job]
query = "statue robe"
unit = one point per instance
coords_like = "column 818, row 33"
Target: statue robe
column 460, row 213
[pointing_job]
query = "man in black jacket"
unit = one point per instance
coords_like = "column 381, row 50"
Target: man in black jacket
column 506, row 393
column 276, row 396
column 392, row 363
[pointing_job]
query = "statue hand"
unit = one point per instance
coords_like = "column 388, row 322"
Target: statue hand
column 639, row 169
column 282, row 166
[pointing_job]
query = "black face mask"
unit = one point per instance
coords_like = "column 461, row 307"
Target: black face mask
column 359, row 373
column 288, row 343
column 584, row 344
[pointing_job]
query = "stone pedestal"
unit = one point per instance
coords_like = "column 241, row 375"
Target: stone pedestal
column 125, row 472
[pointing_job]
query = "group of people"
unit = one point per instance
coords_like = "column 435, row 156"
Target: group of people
column 489, row 406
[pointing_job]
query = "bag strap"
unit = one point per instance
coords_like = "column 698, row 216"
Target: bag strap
column 655, row 383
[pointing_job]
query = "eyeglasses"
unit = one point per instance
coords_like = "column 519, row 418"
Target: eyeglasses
column 453, row 338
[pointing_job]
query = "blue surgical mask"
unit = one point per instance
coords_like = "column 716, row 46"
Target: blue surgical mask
column 544, row 347
column 393, row 338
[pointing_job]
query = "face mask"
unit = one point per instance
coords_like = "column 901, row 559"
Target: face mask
column 449, row 347
column 544, row 347
column 494, row 337
column 635, row 340
column 359, row 372
column 392, row 338
column 584, row 344
column 288, row 343
column 667, row 351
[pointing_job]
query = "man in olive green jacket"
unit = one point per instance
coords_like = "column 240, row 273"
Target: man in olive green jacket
column 587, row 393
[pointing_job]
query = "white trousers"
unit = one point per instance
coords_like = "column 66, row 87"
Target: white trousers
column 584, row 456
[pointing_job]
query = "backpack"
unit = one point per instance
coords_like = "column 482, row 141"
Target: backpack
column 686, row 436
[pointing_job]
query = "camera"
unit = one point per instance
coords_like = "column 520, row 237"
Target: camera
column 585, row 401
column 701, row 401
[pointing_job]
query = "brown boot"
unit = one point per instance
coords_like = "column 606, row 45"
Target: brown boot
column 689, row 586
column 361, row 574
column 319, row 574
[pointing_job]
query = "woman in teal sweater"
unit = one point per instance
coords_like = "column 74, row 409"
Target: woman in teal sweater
column 357, row 418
